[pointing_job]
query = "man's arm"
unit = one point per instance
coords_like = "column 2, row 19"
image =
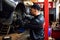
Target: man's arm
column 37, row 23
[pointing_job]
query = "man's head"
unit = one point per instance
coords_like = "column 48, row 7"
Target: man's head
column 35, row 10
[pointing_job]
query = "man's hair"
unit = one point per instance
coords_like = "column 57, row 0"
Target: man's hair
column 36, row 6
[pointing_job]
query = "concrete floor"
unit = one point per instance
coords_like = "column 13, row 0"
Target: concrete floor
column 15, row 36
column 21, row 36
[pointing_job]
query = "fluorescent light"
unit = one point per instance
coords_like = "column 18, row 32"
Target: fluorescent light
column 40, row 0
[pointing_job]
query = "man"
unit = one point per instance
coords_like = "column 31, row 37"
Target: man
column 36, row 24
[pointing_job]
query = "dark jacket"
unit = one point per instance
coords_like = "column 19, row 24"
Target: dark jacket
column 36, row 27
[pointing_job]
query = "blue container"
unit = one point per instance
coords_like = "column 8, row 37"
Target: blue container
column 49, row 31
column 21, row 30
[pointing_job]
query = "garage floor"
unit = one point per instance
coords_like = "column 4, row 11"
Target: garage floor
column 15, row 36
